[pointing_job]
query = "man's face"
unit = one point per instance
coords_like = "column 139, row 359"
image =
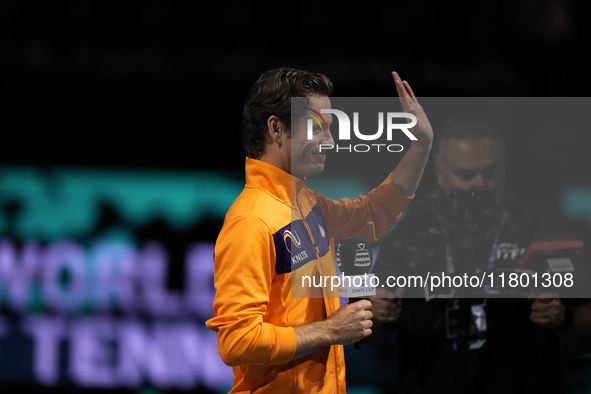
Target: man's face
column 306, row 158
column 467, row 163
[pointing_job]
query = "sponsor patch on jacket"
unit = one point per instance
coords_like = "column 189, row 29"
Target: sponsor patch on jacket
column 294, row 247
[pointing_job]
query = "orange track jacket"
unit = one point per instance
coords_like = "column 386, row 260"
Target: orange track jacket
column 276, row 231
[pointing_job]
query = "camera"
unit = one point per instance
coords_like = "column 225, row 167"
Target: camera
column 476, row 212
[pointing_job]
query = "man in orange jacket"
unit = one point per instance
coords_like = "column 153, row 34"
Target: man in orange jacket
column 278, row 230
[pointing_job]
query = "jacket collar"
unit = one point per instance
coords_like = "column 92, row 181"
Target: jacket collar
column 267, row 177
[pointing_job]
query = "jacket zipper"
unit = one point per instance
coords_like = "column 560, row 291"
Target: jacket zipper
column 333, row 348
column 329, row 309
column 309, row 231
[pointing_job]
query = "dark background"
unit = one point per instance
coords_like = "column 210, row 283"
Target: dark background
column 161, row 84
column 156, row 84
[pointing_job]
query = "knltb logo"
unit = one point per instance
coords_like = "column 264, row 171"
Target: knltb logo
column 344, row 133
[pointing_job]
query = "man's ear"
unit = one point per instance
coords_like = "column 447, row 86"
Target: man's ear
column 274, row 129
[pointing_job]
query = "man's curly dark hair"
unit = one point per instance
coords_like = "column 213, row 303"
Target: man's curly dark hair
column 271, row 95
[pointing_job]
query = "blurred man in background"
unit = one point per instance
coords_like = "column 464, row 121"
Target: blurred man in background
column 278, row 230
column 509, row 345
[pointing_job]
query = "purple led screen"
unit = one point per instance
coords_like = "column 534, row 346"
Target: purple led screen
column 104, row 317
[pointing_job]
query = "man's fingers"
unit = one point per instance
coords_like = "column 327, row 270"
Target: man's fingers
column 399, row 85
column 390, row 319
column 544, row 295
column 366, row 304
column 362, row 304
column 382, row 292
column 531, row 297
column 544, row 298
column 539, row 320
column 409, row 90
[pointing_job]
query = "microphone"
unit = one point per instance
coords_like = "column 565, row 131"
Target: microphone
column 354, row 259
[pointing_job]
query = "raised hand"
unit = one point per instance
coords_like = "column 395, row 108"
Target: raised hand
column 423, row 130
